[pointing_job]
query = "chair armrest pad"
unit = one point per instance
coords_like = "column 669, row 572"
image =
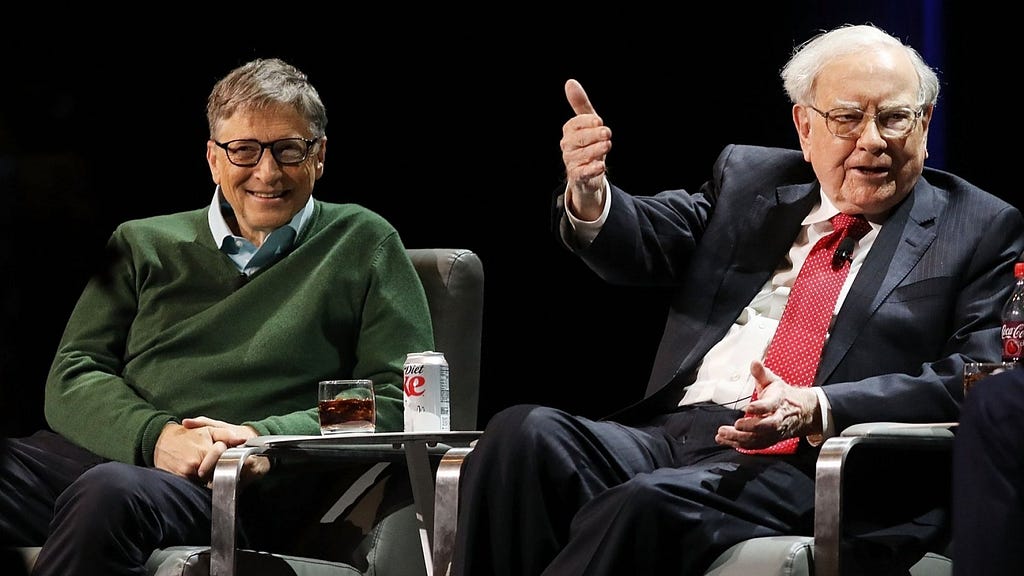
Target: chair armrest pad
column 902, row 429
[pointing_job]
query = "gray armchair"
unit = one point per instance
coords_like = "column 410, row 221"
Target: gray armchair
column 453, row 281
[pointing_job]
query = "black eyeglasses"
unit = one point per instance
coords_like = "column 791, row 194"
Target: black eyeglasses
column 287, row 151
column 848, row 123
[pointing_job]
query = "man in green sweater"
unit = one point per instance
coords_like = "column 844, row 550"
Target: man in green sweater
column 207, row 328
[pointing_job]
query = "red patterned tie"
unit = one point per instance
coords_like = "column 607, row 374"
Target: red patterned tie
column 795, row 350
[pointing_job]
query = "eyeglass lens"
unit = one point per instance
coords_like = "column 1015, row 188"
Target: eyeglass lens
column 891, row 123
column 285, row 151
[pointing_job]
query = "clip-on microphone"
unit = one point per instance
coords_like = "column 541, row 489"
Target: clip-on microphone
column 843, row 252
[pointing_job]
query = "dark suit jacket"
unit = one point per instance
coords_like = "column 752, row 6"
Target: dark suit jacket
column 927, row 298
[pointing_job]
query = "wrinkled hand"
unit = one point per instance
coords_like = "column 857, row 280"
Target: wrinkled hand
column 585, row 144
column 780, row 411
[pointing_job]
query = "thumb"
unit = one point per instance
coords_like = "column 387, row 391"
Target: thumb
column 197, row 422
column 201, row 422
column 762, row 375
column 577, row 98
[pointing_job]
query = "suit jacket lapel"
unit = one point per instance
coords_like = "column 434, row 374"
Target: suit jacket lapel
column 900, row 245
column 766, row 234
column 763, row 236
column 775, row 221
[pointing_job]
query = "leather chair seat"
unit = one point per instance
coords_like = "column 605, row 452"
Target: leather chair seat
column 195, row 561
column 794, row 556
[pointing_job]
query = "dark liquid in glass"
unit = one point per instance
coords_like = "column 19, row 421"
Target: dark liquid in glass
column 346, row 415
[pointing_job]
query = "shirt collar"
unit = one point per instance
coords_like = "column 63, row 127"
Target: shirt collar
column 822, row 211
column 219, row 226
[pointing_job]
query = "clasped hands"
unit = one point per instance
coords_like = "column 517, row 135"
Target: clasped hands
column 781, row 411
column 191, row 449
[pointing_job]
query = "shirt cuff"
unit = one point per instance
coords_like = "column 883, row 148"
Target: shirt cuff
column 585, row 231
column 828, row 427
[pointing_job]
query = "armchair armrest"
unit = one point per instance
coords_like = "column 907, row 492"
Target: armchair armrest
column 446, row 508
column 831, row 470
column 902, row 429
column 225, row 496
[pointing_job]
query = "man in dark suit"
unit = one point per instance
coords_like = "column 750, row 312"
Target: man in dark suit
column 665, row 485
column 988, row 478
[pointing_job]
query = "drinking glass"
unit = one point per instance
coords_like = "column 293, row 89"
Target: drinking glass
column 346, row 406
column 974, row 371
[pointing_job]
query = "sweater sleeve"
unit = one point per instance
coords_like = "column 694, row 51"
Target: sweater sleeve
column 86, row 398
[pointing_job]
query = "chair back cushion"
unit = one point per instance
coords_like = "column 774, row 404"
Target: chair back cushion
column 453, row 279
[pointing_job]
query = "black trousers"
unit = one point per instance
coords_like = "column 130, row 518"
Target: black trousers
column 548, row 493
column 988, row 478
column 94, row 516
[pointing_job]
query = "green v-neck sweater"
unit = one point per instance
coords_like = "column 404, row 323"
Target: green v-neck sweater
column 168, row 329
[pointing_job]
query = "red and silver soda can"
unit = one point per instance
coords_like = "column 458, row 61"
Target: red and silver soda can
column 427, row 403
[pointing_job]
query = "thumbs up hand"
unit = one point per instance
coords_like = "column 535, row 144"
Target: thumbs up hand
column 585, row 144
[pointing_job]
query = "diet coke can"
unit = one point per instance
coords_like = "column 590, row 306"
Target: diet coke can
column 425, row 390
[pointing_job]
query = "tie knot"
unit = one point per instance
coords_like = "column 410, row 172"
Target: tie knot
column 855, row 226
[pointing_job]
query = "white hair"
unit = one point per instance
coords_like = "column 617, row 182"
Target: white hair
column 799, row 74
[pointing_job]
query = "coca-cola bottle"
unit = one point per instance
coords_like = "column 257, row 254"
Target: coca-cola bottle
column 1013, row 319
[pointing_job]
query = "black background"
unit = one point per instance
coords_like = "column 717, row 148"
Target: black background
column 447, row 123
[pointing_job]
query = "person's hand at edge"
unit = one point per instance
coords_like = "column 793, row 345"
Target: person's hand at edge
column 585, row 144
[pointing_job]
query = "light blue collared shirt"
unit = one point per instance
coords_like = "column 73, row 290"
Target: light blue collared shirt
column 247, row 256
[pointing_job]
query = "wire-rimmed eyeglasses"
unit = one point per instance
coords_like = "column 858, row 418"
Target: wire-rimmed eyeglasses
column 287, row 151
column 848, row 123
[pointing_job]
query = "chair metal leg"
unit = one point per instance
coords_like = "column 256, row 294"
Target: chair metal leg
column 446, row 508
column 423, row 497
column 828, row 504
column 224, row 522
column 829, row 478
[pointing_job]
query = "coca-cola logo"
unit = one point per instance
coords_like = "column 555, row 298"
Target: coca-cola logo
column 1015, row 331
column 414, row 385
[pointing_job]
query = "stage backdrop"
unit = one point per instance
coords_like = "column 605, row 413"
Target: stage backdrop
column 448, row 125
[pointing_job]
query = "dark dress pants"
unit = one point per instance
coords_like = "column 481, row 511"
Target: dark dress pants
column 988, row 478
column 95, row 516
column 548, row 493
column 106, row 518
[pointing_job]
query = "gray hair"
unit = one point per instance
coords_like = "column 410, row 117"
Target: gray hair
column 263, row 84
column 800, row 73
